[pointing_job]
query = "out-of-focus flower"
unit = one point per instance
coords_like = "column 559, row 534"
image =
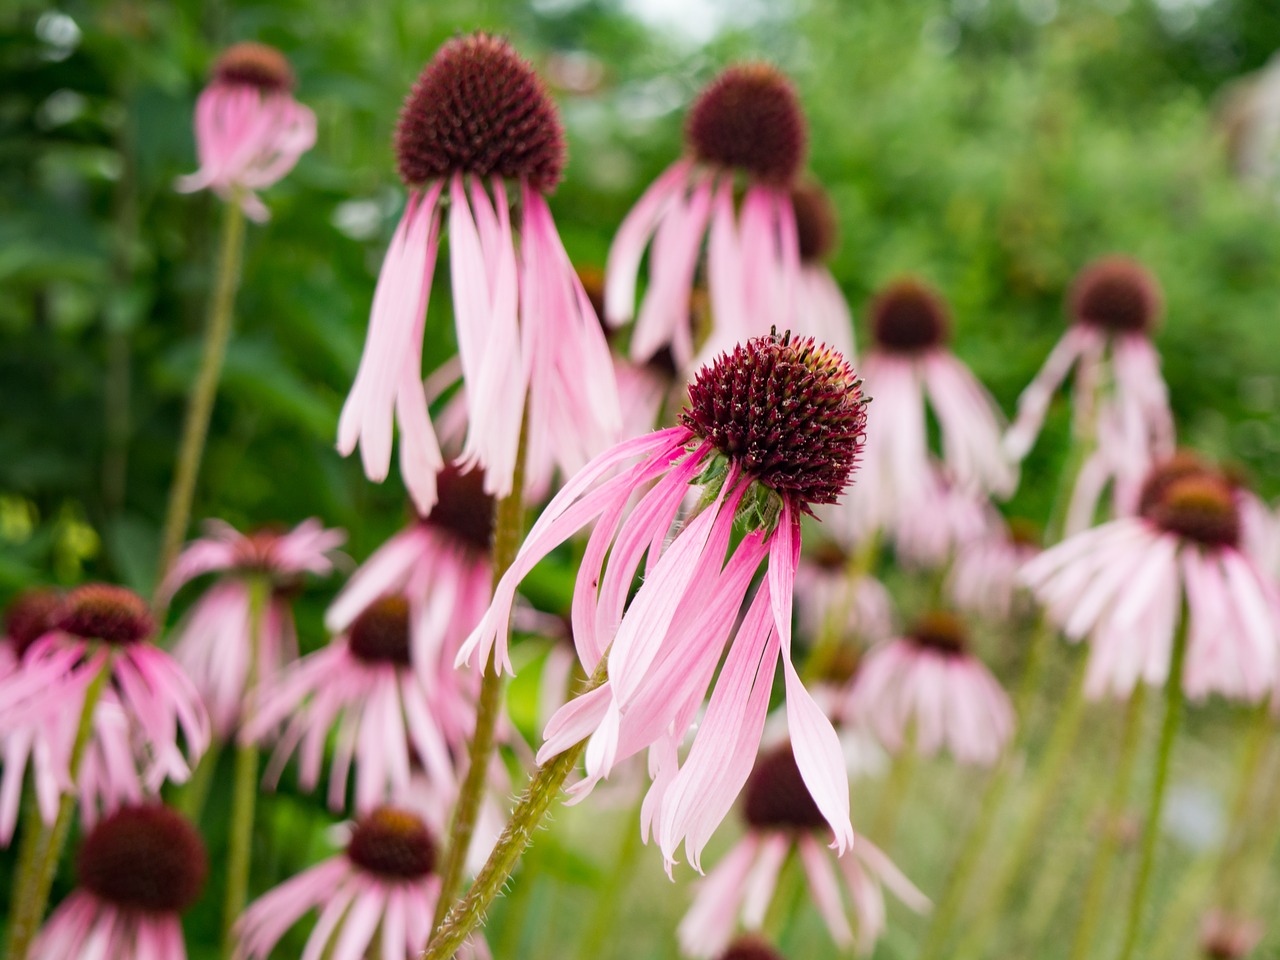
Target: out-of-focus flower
column 250, row 131
column 1121, row 401
column 984, row 577
column 527, row 337
column 1124, row 586
column 821, row 311
column 102, row 627
column 747, row 122
column 832, row 596
column 441, row 566
column 140, row 869
column 907, row 368
column 772, row 429
column 386, row 715
column 1227, row 937
column 382, row 889
column 927, row 691
column 782, row 817
column 214, row 641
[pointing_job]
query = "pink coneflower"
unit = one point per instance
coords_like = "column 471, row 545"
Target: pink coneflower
column 772, row 429
column 909, row 369
column 1124, row 584
column 441, row 564
column 984, row 577
column 829, row 594
column 947, row 518
column 781, row 816
column 250, row 131
column 99, row 626
column 139, row 870
column 927, row 689
column 214, row 640
column 1224, row 936
column 747, row 122
column 383, row 889
column 1121, row 401
column 363, row 683
column 477, row 117
column 108, row 775
column 821, row 311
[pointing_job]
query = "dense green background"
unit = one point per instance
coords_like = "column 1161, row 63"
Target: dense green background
column 991, row 146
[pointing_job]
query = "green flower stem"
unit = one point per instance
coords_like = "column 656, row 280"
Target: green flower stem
column 603, row 919
column 467, row 914
column 1155, row 805
column 1104, row 853
column 195, row 792
column 508, row 527
column 971, row 852
column 885, row 822
column 1025, row 841
column 36, row 881
column 244, row 787
column 196, row 428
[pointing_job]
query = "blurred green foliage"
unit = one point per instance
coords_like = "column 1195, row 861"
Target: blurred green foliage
column 991, row 146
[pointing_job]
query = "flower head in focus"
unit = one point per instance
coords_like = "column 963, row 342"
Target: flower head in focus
column 250, row 131
column 140, row 869
column 747, row 123
column 478, row 118
column 772, row 429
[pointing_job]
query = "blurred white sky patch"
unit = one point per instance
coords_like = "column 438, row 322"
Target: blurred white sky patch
column 1179, row 16
column 696, row 21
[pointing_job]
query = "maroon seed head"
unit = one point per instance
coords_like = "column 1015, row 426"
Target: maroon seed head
column 941, row 632
column 393, row 843
column 146, row 858
column 31, row 614
column 381, row 633
column 749, row 118
column 254, row 65
column 103, row 611
column 776, row 796
column 750, row 948
column 909, row 317
column 463, row 510
column 480, row 108
column 816, row 226
column 1198, row 507
column 790, row 412
column 1116, row 295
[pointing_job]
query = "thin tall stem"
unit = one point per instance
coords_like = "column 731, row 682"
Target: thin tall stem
column 35, row 884
column 196, row 428
column 1155, row 804
column 1044, row 792
column 244, row 788
column 508, row 526
column 889, row 806
column 1104, row 853
column 544, row 787
column 971, row 852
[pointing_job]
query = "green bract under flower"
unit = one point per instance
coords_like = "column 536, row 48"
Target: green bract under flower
column 789, row 413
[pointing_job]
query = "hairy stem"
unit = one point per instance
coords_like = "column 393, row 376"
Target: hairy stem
column 34, row 885
column 244, row 788
column 467, row 914
column 1155, row 803
column 196, row 428
column 508, row 527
